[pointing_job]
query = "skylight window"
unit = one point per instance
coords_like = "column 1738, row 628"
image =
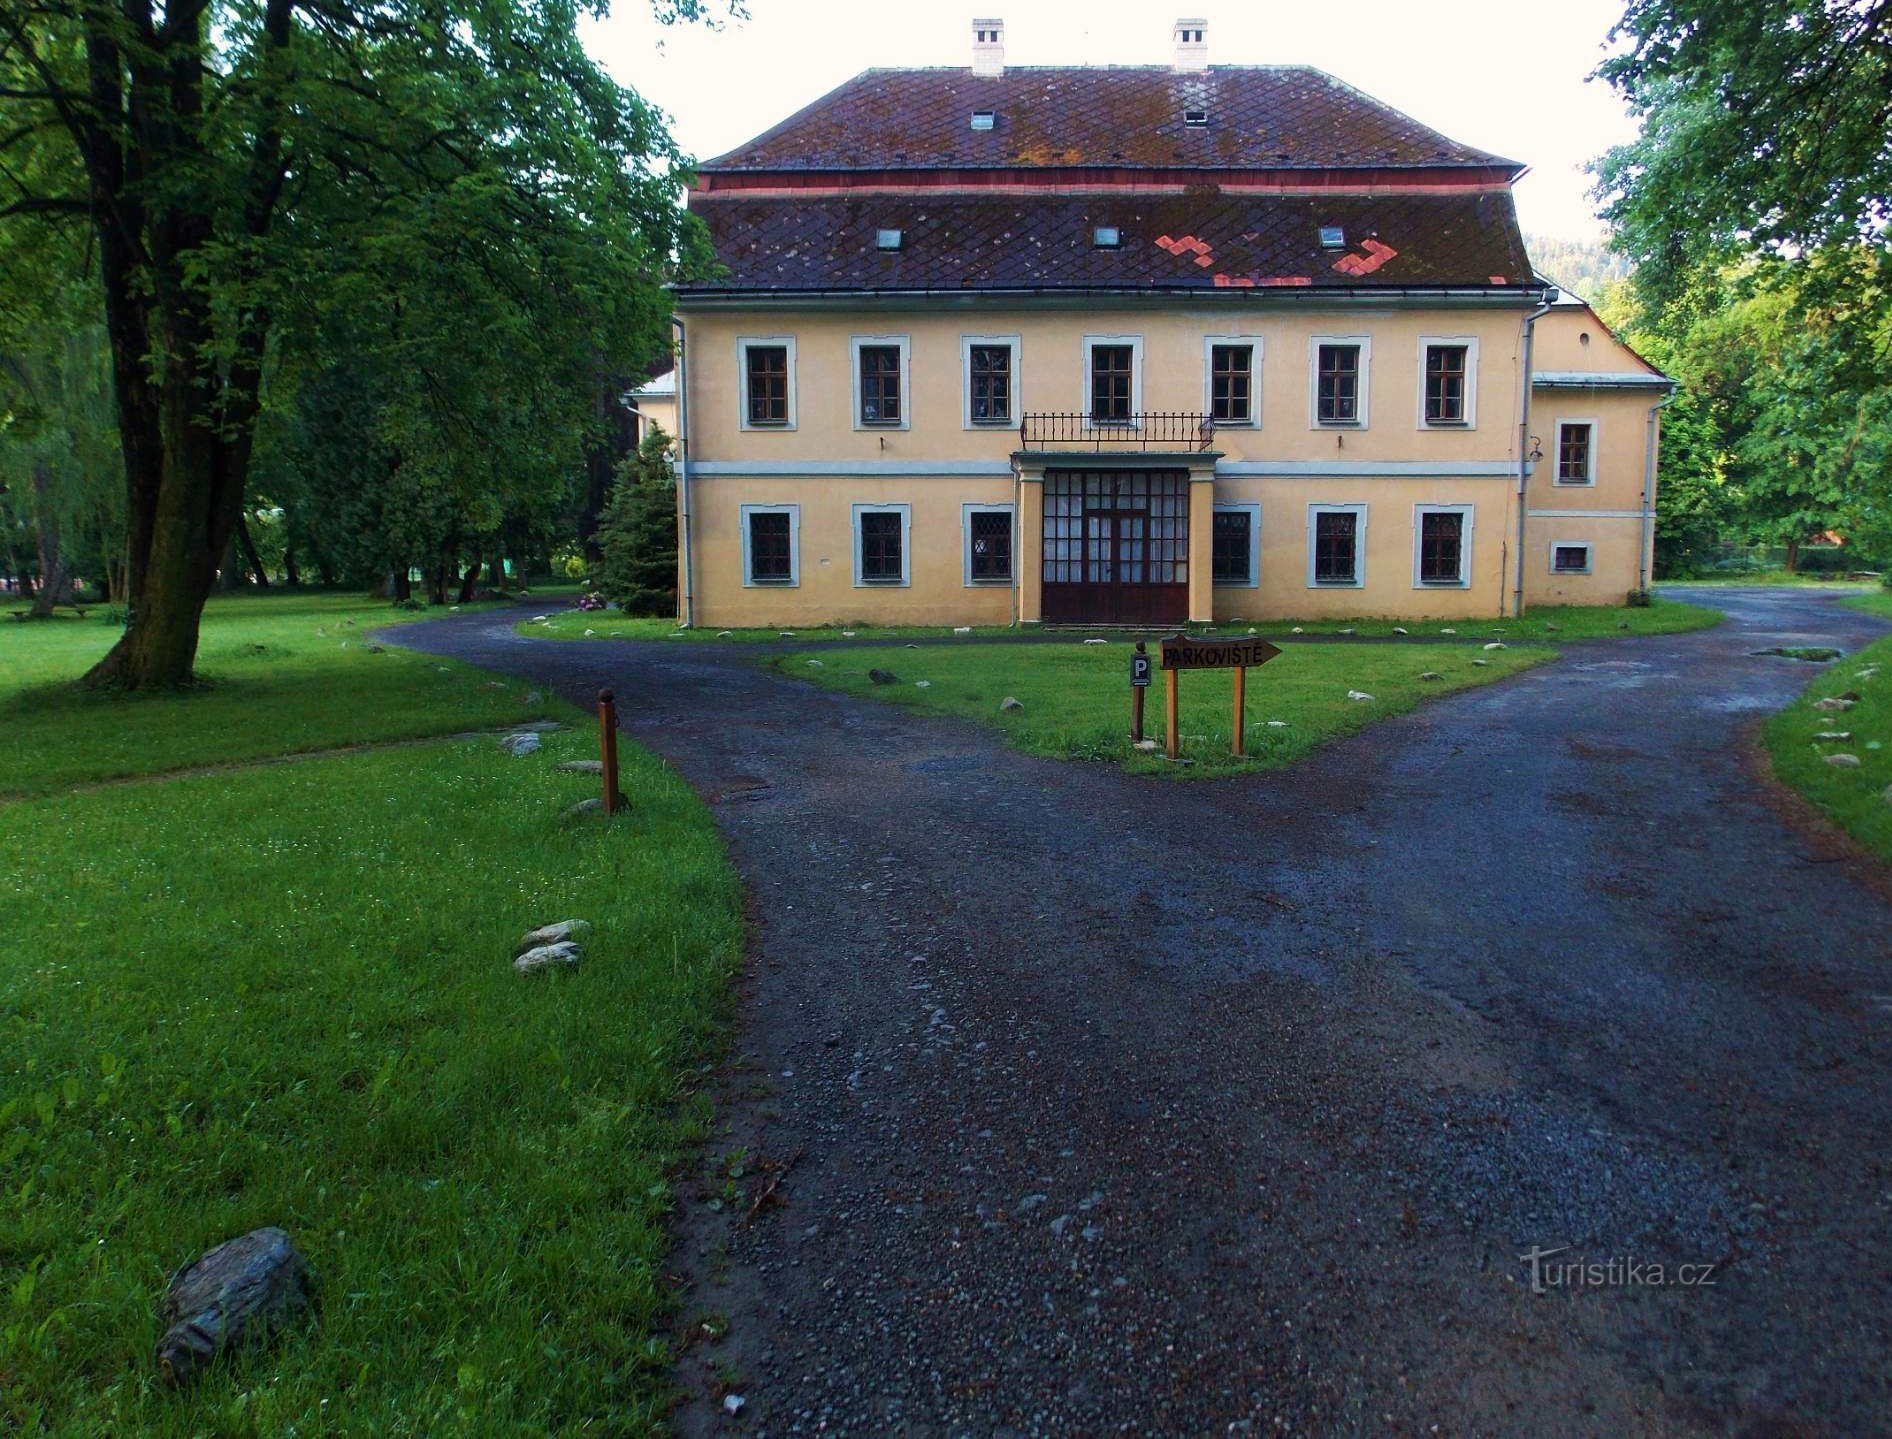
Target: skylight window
column 1195, row 119
column 889, row 239
column 1106, row 237
column 984, row 119
column 1332, row 237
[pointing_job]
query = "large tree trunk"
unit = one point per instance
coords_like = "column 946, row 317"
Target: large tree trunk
column 52, row 568
column 469, row 582
column 291, row 576
column 250, row 556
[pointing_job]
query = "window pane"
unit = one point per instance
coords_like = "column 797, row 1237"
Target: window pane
column 1232, row 550
column 770, row 560
column 1571, row 557
column 768, row 384
column 1110, row 383
column 1334, row 559
column 990, row 537
column 880, row 547
column 1573, row 454
column 1231, row 383
column 1441, row 547
column 991, row 384
column 1337, row 393
column 1445, row 384
column 880, row 384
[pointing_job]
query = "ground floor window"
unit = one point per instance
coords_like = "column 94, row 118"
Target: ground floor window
column 880, row 544
column 1569, row 559
column 769, row 545
column 1336, row 544
column 1234, row 551
column 1442, row 545
column 988, row 544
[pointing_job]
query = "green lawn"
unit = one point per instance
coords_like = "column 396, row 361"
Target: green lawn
column 282, row 995
column 1076, row 697
column 1877, row 602
column 1571, row 622
column 284, row 673
column 1858, row 798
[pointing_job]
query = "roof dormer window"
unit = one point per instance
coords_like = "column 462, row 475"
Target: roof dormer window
column 889, row 239
column 1106, row 237
column 1332, row 237
column 1196, row 119
column 984, row 119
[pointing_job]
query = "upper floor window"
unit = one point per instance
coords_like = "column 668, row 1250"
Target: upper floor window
column 991, row 380
column 1232, row 381
column 879, row 383
column 1112, row 381
column 1448, row 382
column 1576, row 452
column 1340, row 368
column 768, row 368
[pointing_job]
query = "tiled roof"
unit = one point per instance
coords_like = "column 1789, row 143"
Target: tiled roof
column 1257, row 117
column 1201, row 240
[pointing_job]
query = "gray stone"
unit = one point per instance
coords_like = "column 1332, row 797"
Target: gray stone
column 564, row 955
column 1833, row 705
column 1010, row 705
column 242, row 1292
column 552, row 934
column 537, row 727
column 581, row 766
column 521, row 743
column 1358, row 695
column 533, row 697
column 1481, row 663
column 883, row 677
column 1431, row 675
column 1496, row 645
column 1834, row 735
column 587, row 807
column 1843, row 761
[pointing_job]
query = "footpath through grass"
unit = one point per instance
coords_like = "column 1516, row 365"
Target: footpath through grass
column 1076, row 696
column 1857, row 797
column 283, row 996
column 1570, row 622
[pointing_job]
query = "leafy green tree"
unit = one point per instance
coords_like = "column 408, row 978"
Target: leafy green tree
column 637, row 534
column 248, row 170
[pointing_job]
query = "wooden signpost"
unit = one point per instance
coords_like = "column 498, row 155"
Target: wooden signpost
column 608, row 747
column 1205, row 652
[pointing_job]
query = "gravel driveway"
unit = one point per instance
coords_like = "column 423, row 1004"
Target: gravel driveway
column 1111, row 1105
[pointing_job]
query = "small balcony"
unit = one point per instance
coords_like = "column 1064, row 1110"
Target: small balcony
column 1080, row 433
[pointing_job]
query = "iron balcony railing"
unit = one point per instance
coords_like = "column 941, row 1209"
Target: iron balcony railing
column 1079, row 431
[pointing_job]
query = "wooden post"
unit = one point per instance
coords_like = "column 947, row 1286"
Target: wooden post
column 1172, row 741
column 608, row 748
column 1241, row 709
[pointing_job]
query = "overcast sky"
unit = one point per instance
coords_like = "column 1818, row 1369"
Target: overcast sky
column 1506, row 76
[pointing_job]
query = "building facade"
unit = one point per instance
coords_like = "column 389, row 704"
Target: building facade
column 1138, row 345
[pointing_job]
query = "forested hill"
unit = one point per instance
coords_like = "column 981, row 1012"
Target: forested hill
column 1584, row 267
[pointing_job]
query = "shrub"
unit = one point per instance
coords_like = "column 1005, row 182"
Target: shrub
column 1639, row 599
column 637, row 534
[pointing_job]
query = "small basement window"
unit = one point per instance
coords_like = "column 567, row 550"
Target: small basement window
column 1570, row 559
column 1332, row 237
column 1195, row 119
column 889, row 239
column 1106, row 237
column 984, row 119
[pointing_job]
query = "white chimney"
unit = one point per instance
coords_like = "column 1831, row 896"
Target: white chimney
column 1192, row 47
column 988, row 47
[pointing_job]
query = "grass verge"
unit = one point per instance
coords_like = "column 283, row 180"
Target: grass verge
column 283, row 674
column 1878, row 602
column 1077, row 706
column 1858, row 798
column 282, row 996
column 1570, row 622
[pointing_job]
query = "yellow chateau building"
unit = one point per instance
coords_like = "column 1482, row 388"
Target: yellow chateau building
column 1141, row 345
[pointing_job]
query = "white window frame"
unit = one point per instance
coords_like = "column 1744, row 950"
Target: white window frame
column 904, row 343
column 966, row 342
column 749, row 581
column 905, row 512
column 1359, row 546
column 1253, row 510
column 1135, row 342
column 743, row 345
column 1589, row 556
column 966, row 512
column 1464, row 580
column 1470, row 342
column 1314, row 342
column 1209, row 342
column 1557, row 450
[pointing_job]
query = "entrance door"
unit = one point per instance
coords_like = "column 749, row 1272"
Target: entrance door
column 1116, row 547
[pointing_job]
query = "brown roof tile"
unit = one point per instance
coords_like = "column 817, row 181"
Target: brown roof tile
column 1199, row 241
column 1258, row 117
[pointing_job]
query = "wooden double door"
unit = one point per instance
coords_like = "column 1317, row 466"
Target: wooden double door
column 1116, row 547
